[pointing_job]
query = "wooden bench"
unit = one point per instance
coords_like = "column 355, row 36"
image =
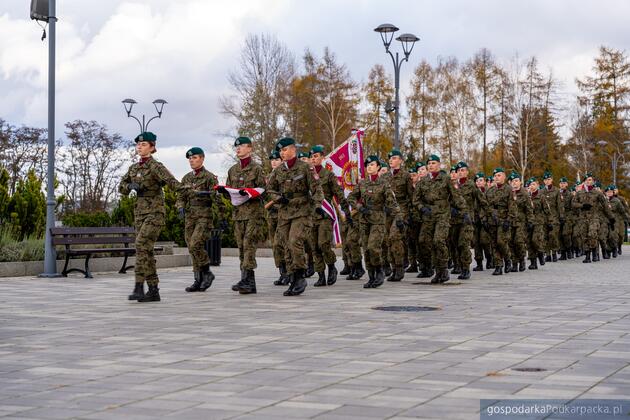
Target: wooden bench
column 69, row 236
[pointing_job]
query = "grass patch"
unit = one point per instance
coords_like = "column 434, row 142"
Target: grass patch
column 13, row 250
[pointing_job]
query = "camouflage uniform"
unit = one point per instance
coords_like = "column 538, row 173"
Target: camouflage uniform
column 150, row 176
column 481, row 237
column 615, row 238
column 434, row 197
column 370, row 198
column 578, row 231
column 523, row 222
column 536, row 231
column 556, row 218
column 465, row 232
column 502, row 215
column 399, row 181
column 591, row 202
column 566, row 228
column 295, row 187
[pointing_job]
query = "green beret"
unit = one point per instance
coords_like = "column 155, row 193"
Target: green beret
column 610, row 187
column 442, row 171
column 370, row 159
column 547, row 175
column 598, row 184
column 383, row 164
column 302, row 155
column 514, row 175
column 532, row 179
column 588, row 175
column 420, row 165
column 541, row 187
column 242, row 140
column 572, row 188
column 479, row 175
column 274, row 155
column 317, row 149
column 433, row 157
column 527, row 183
column 461, row 164
column 454, row 168
column 284, row 142
column 394, row 152
column 614, row 187
column 497, row 170
column 146, row 136
column 564, row 179
column 489, row 179
column 194, row 151
column 413, row 170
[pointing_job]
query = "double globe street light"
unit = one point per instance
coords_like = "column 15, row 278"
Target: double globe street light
column 387, row 31
column 144, row 124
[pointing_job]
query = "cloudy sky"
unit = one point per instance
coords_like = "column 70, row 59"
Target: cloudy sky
column 182, row 51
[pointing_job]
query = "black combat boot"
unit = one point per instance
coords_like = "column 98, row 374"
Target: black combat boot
column 614, row 252
column 619, row 250
column 298, row 283
column 236, row 286
column 429, row 272
column 508, row 266
column 533, row 264
column 437, row 277
column 321, row 281
column 456, row 270
column 498, row 271
column 195, row 286
column 371, row 277
column 346, row 269
column 207, row 277
column 310, row 270
column 413, row 267
column 379, row 278
column 387, row 269
column 444, row 276
column 355, row 271
column 563, row 255
column 569, row 254
column 521, row 264
column 595, row 254
column 587, row 256
column 541, row 258
column 479, row 266
column 249, row 284
column 554, row 256
column 153, row 295
column 332, row 274
column 360, row 272
column 548, row 257
column 397, row 275
column 489, row 262
column 138, row 292
column 578, row 252
column 450, row 264
column 465, row 274
column 284, row 278
column 605, row 254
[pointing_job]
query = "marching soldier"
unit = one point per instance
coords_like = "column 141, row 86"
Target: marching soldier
column 434, row 197
column 536, row 232
column 246, row 173
column 566, row 228
column 196, row 211
column 272, row 212
column 371, row 198
column 414, row 229
column 522, row 223
column 502, row 214
column 615, row 236
column 322, row 224
column 309, row 245
column 384, row 174
column 482, row 243
column 147, row 177
column 294, row 185
column 623, row 228
column 554, row 199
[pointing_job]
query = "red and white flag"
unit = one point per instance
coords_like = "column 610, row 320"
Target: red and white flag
column 237, row 198
column 346, row 162
column 332, row 214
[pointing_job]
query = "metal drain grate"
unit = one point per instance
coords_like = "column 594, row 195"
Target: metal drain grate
column 529, row 369
column 406, row 308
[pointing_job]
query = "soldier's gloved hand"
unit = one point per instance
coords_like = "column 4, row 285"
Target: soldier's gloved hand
column 321, row 212
column 467, row 219
column 349, row 220
column 454, row 212
column 400, row 225
column 549, row 227
column 221, row 189
column 611, row 223
column 485, row 225
column 530, row 227
column 586, row 206
column 242, row 192
column 181, row 213
column 506, row 225
column 223, row 225
column 388, row 211
column 364, row 210
column 426, row 211
column 562, row 220
column 134, row 186
column 410, row 221
column 283, row 199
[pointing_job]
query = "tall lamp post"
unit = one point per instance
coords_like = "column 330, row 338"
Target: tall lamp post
column 387, row 31
column 616, row 156
column 144, row 124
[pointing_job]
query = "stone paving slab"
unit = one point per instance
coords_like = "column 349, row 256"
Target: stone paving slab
column 76, row 348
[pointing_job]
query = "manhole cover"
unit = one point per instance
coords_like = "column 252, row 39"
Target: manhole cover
column 529, row 369
column 406, row 308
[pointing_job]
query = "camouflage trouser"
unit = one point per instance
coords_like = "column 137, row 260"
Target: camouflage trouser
column 372, row 238
column 452, row 243
column 481, row 243
column 277, row 248
column 413, row 251
column 501, row 238
column 424, row 246
column 148, row 227
column 196, row 233
column 566, row 233
column 434, row 235
column 579, row 234
column 553, row 237
column 620, row 230
column 462, row 240
column 322, row 238
column 536, row 240
column 518, row 241
column 603, row 233
column 386, row 245
column 353, row 241
column 248, row 233
column 591, row 230
column 396, row 241
column 294, row 233
column 309, row 243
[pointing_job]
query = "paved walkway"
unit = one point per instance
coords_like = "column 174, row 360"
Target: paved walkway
column 76, row 348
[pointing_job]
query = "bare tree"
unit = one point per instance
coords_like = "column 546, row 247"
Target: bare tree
column 422, row 104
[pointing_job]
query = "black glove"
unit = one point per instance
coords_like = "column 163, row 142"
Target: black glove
column 181, row 213
column 134, row 186
column 321, row 212
column 495, row 219
column 221, row 189
column 400, row 225
column 611, row 223
column 467, row 219
column 586, row 206
column 283, row 199
column 506, row 225
column 562, row 220
column 486, row 225
column 242, row 192
column 364, row 210
column 223, row 225
column 410, row 221
column 530, row 227
column 454, row 212
column 426, row 211
column 549, row 227
column 387, row 211
column 349, row 220
column 203, row 193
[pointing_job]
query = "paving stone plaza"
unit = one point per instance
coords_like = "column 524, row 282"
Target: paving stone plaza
column 76, row 348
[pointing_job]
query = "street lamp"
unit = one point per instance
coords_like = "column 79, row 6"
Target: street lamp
column 615, row 157
column 387, row 31
column 144, row 125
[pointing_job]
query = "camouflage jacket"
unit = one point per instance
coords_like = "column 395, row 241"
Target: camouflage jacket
column 272, row 208
column 618, row 210
column 299, row 185
column 250, row 176
column 591, row 204
column 198, row 206
column 540, row 208
column 500, row 204
column 331, row 188
column 556, row 203
column 401, row 185
column 375, row 197
column 438, row 195
column 524, row 208
column 151, row 176
column 567, row 198
column 475, row 200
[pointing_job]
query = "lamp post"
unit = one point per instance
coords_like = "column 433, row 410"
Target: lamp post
column 616, row 156
column 387, row 31
column 144, row 124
